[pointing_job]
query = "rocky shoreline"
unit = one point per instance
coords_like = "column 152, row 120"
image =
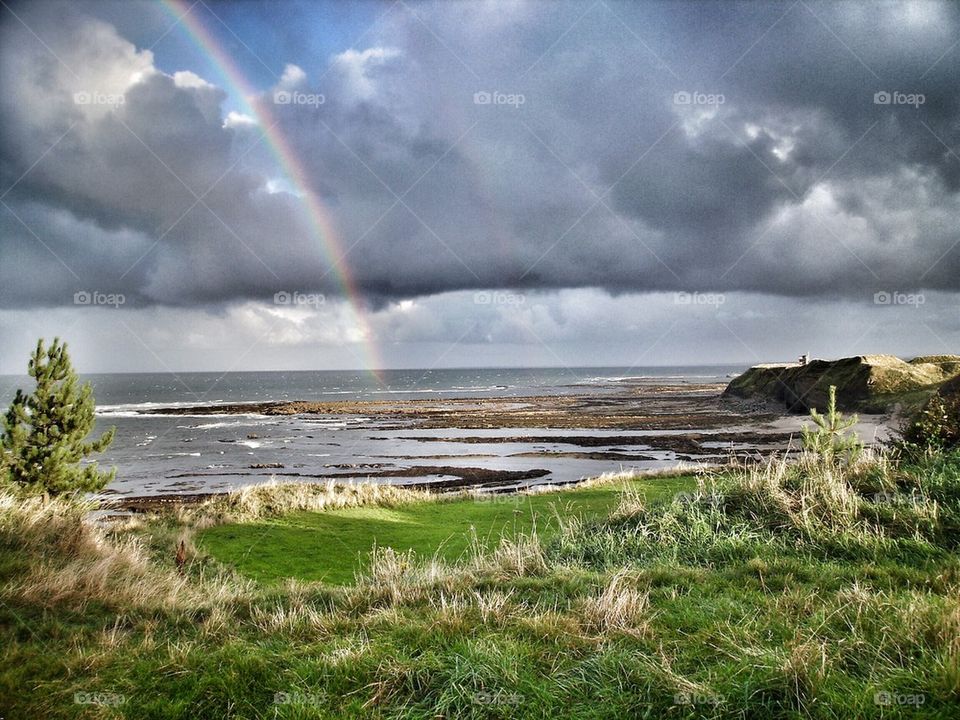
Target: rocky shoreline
column 643, row 407
column 627, row 425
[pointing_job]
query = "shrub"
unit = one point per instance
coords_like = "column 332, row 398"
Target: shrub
column 936, row 426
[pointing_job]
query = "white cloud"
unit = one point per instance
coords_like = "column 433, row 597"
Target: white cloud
column 293, row 77
column 359, row 69
column 239, row 120
column 187, row 79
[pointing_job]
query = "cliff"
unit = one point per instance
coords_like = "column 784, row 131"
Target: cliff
column 865, row 383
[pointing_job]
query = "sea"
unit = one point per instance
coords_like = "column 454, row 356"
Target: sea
column 166, row 453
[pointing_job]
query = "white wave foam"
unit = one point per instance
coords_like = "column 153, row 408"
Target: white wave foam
column 262, row 420
column 167, row 456
column 137, row 409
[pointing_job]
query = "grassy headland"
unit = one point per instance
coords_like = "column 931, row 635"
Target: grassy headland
column 864, row 383
column 770, row 591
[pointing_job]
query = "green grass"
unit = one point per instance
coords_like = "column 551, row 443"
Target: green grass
column 333, row 546
column 793, row 592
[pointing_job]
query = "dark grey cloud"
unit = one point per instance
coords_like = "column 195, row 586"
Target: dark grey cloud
column 798, row 183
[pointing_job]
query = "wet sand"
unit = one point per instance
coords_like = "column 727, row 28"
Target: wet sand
column 627, row 424
column 637, row 406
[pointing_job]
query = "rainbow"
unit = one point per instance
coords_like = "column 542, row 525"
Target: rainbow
column 321, row 224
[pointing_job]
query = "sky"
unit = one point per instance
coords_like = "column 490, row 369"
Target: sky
column 390, row 184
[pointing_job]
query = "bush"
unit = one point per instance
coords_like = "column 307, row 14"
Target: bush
column 936, row 426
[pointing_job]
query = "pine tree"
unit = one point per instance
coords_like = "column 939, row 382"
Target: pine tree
column 43, row 440
column 829, row 437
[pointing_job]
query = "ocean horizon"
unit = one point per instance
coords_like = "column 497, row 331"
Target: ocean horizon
column 120, row 392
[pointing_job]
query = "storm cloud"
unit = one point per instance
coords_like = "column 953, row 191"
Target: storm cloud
column 777, row 149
